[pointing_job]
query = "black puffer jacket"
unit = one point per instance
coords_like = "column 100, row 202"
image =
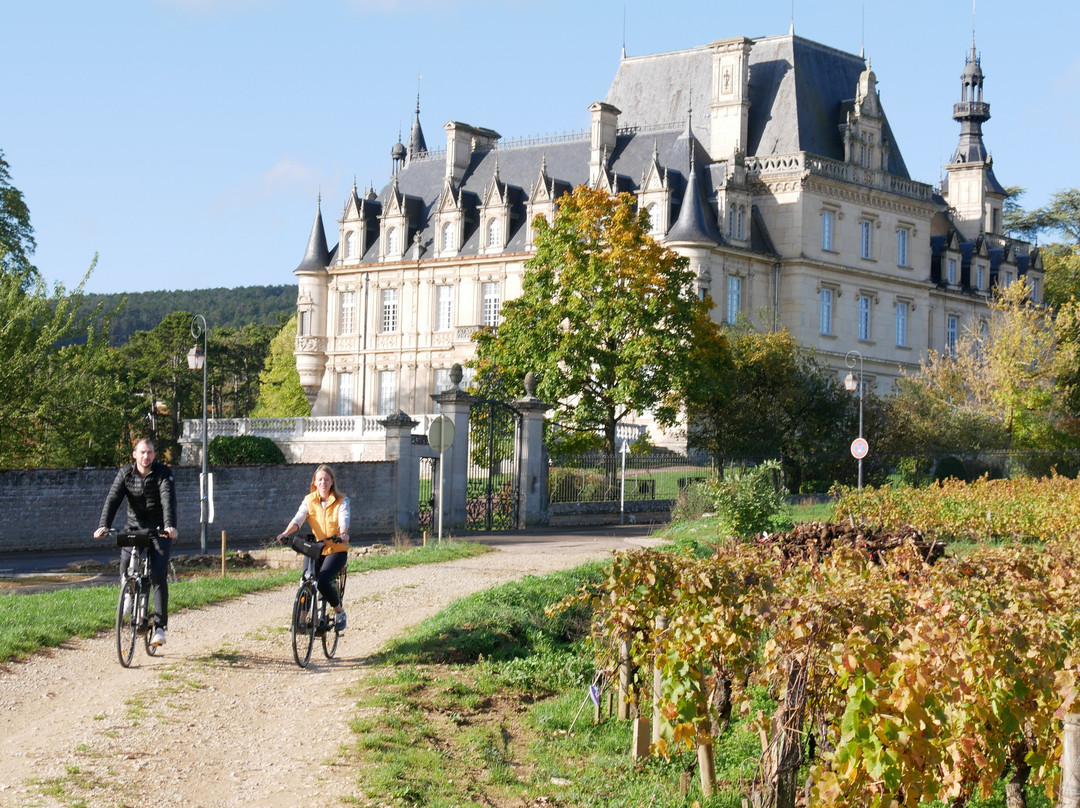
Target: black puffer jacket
column 151, row 499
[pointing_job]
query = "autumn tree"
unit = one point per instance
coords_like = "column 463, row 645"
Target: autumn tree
column 1000, row 388
column 607, row 319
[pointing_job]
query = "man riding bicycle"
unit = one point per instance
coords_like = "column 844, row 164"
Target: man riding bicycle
column 147, row 485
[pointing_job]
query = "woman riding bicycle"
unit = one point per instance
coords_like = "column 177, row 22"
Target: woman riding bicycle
column 327, row 513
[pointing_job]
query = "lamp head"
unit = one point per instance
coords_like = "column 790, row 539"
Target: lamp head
column 196, row 359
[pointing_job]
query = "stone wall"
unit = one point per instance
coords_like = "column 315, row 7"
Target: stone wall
column 58, row 509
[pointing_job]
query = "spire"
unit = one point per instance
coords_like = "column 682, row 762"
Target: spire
column 417, row 147
column 971, row 111
column 317, row 255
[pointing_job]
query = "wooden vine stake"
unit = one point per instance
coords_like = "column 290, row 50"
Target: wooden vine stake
column 625, row 674
column 1070, row 763
column 658, row 686
column 706, row 764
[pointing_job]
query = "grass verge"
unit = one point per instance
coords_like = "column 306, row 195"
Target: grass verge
column 30, row 622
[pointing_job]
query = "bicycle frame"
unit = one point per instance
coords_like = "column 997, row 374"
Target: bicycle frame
column 133, row 607
column 309, row 616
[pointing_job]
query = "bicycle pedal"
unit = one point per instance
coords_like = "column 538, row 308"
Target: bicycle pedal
column 142, row 630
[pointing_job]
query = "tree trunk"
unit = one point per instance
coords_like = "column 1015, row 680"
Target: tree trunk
column 776, row 784
column 1018, row 777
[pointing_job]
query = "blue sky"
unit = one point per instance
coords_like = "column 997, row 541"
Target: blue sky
column 186, row 141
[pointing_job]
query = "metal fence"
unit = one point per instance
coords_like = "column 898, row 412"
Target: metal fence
column 602, row 477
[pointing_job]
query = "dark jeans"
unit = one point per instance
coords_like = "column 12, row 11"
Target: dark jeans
column 159, row 551
column 326, row 571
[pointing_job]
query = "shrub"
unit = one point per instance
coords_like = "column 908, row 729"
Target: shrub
column 695, row 500
column 244, row 450
column 747, row 499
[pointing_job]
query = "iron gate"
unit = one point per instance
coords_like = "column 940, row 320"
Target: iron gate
column 429, row 492
column 493, row 491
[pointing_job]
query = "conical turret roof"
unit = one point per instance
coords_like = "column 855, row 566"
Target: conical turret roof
column 317, row 256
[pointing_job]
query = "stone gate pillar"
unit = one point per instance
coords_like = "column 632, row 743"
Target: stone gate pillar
column 399, row 447
column 454, row 404
column 533, row 502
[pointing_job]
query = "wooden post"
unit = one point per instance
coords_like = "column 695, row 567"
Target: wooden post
column 625, row 673
column 658, row 686
column 1070, row 763
column 639, row 749
column 223, row 554
column 706, row 764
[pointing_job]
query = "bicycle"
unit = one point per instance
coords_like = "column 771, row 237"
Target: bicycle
column 133, row 607
column 310, row 602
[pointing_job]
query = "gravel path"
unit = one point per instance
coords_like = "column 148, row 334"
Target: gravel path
column 214, row 721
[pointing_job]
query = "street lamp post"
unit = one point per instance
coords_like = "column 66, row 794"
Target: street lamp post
column 197, row 361
column 851, row 384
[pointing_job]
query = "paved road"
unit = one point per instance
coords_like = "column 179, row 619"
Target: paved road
column 23, row 563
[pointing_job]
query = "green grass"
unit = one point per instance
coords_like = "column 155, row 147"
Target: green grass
column 31, row 622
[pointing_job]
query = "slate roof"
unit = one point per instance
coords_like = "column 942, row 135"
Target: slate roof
column 798, row 90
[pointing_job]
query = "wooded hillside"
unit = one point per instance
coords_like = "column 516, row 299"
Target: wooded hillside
column 222, row 308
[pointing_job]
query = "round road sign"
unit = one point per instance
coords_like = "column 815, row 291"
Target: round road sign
column 440, row 434
column 859, row 448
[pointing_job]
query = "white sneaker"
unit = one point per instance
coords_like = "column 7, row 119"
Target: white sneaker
column 159, row 636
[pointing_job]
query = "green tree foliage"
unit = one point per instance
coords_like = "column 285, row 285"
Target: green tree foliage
column 237, row 360
column 16, row 233
column 1061, row 260
column 772, row 399
column 156, row 370
column 58, row 406
column 607, row 319
column 280, row 393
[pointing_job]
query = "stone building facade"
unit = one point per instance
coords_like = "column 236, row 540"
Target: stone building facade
column 769, row 163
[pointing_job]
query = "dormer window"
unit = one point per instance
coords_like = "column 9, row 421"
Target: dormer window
column 350, row 244
column 494, row 233
column 654, row 218
column 448, row 237
column 392, row 240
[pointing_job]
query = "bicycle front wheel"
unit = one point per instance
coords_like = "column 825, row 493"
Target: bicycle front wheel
column 127, row 620
column 304, row 618
column 331, row 635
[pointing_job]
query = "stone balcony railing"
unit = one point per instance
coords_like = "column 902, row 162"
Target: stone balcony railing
column 805, row 163
column 334, row 428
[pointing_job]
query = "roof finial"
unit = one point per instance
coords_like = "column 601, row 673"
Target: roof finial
column 624, row 29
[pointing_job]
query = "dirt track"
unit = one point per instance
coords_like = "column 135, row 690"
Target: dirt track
column 215, row 721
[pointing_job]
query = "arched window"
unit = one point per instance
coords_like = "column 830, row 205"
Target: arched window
column 392, row 241
column 494, row 233
column 654, row 218
column 448, row 236
column 350, row 244
column 742, row 214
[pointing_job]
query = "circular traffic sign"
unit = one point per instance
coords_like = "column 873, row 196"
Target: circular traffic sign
column 859, row 448
column 440, row 434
